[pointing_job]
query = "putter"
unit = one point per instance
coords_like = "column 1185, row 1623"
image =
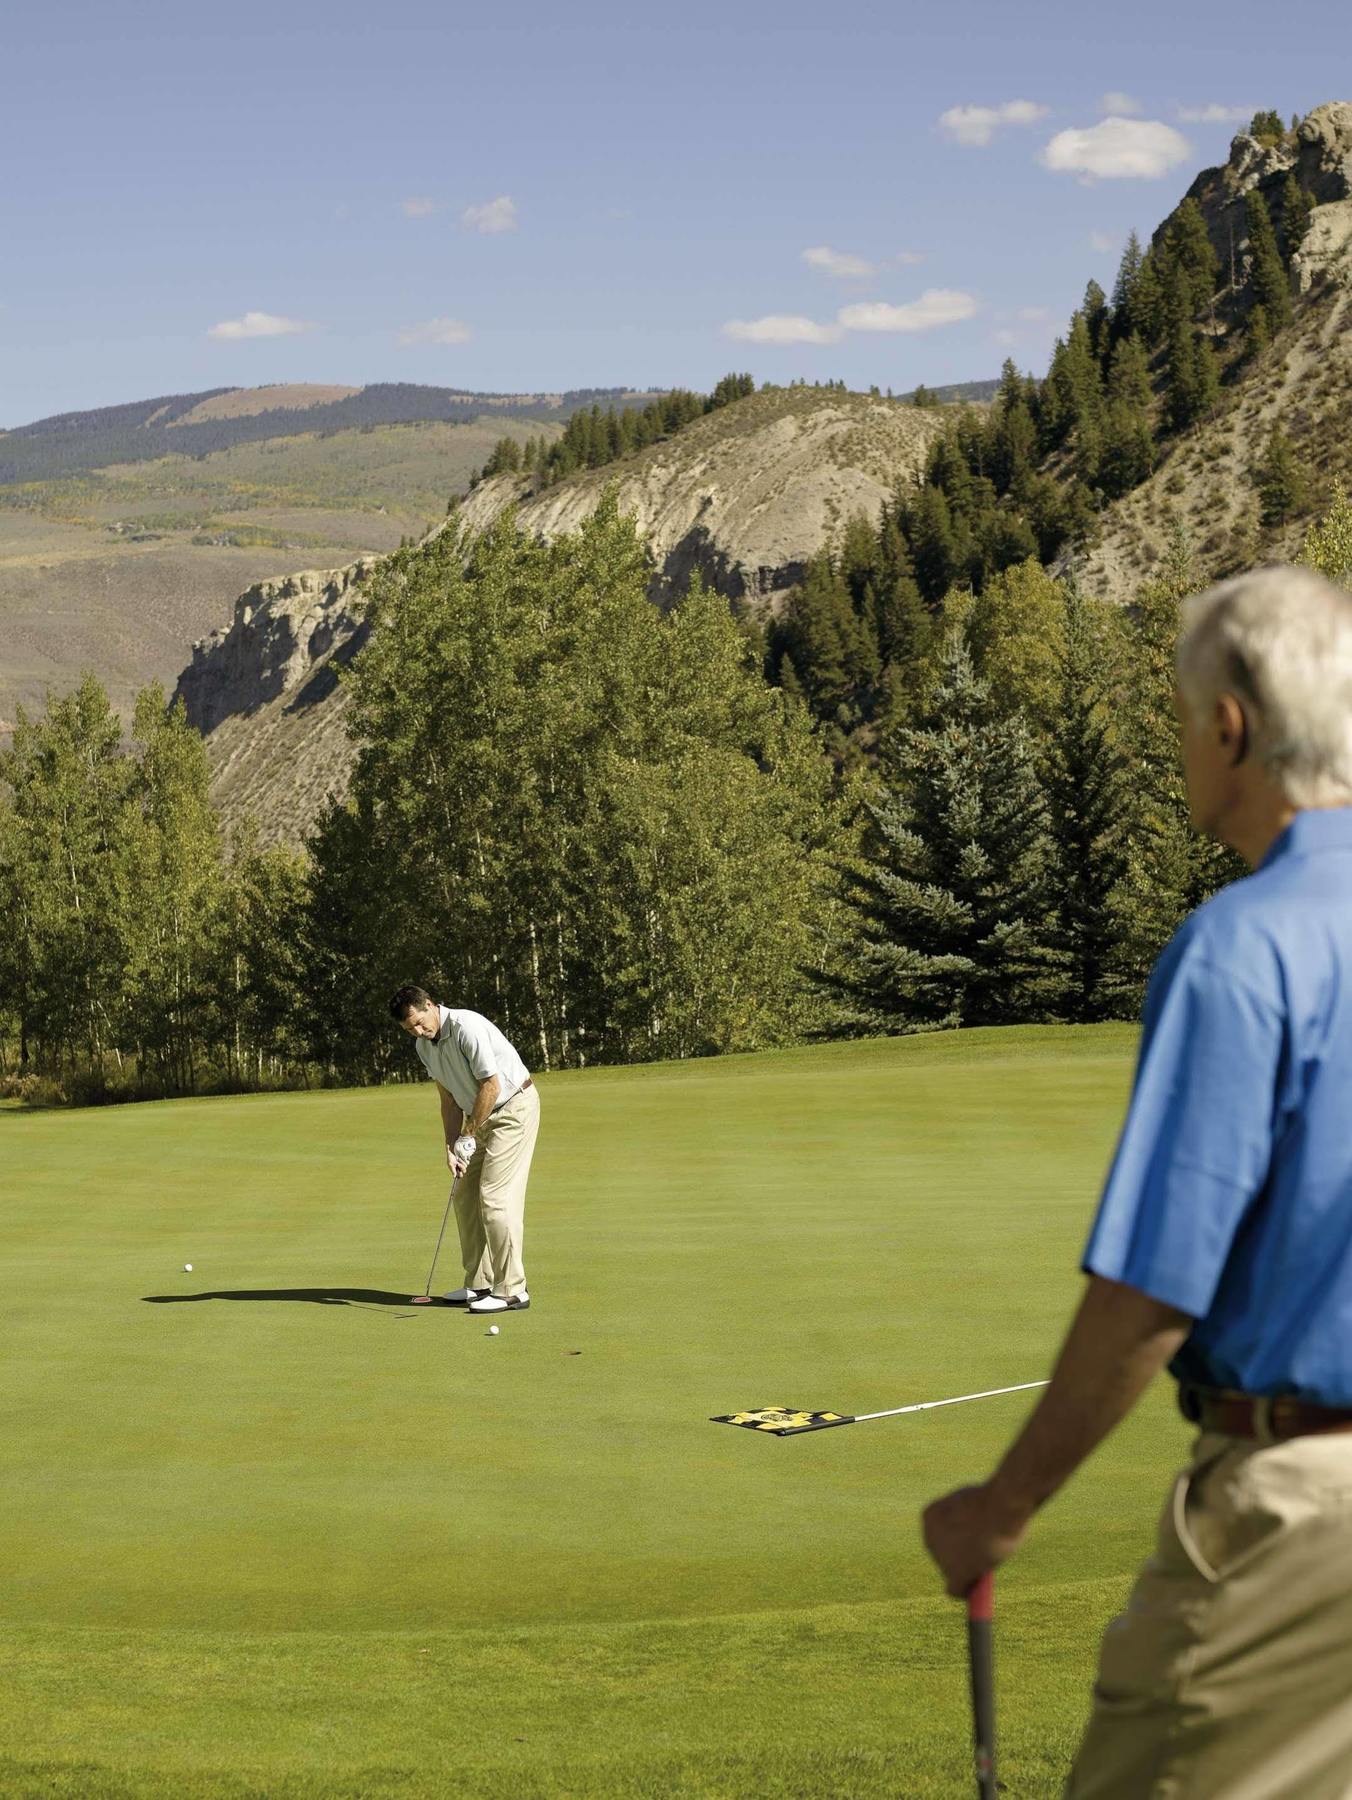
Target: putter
column 980, row 1614
column 425, row 1298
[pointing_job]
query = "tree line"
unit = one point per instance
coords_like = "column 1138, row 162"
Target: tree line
column 603, row 826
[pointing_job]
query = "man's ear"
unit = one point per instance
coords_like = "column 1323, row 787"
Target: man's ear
column 1232, row 728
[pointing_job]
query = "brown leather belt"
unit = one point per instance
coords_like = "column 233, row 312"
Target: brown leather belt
column 521, row 1090
column 1270, row 1418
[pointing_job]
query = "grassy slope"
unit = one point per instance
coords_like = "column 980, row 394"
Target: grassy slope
column 77, row 592
column 283, row 1547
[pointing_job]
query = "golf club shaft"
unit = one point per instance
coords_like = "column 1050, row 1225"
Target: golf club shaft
column 981, row 1658
column 441, row 1234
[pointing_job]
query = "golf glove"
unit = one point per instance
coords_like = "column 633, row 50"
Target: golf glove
column 463, row 1149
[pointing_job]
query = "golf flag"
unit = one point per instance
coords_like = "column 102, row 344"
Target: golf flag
column 784, row 1421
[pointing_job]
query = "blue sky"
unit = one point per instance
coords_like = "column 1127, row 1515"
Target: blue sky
column 595, row 193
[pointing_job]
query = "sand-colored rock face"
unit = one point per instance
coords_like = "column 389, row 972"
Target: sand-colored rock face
column 744, row 496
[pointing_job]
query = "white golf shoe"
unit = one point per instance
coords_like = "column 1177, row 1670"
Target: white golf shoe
column 464, row 1296
column 494, row 1303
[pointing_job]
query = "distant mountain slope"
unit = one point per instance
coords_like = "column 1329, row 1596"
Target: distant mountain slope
column 745, row 495
column 121, row 569
column 197, row 424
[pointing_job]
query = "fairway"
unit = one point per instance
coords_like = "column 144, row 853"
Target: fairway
column 269, row 1532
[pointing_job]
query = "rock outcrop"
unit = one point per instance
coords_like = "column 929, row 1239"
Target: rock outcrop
column 744, row 496
column 1321, row 159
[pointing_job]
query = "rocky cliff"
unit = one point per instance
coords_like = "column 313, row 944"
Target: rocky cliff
column 1320, row 156
column 1303, row 383
column 745, row 496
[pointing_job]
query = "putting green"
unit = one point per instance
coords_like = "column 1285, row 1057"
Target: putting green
column 268, row 1531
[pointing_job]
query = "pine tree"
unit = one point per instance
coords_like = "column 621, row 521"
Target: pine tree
column 1124, row 288
column 1087, row 789
column 1268, row 279
column 1283, row 489
column 1192, row 378
column 953, row 902
column 1297, row 205
column 1189, row 267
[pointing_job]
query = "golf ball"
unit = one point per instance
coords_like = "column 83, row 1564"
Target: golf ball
column 187, row 1268
column 492, row 1331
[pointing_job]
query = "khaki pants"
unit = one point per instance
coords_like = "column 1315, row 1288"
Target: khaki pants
column 490, row 1202
column 1229, row 1675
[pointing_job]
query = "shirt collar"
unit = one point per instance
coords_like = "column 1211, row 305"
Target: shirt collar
column 444, row 1013
column 1313, row 831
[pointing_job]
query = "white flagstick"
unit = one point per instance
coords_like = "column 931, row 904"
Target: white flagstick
column 957, row 1400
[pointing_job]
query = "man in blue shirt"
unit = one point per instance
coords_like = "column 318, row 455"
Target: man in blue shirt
column 1223, row 1248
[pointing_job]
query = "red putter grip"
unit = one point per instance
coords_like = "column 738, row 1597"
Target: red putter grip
column 981, row 1597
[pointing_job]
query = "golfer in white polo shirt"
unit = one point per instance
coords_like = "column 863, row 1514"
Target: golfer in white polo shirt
column 490, row 1114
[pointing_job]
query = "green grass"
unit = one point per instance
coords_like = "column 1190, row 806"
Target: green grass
column 280, row 1547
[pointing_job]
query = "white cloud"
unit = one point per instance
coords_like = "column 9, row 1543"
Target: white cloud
column 1120, row 104
column 1214, row 114
column 781, row 328
column 1102, row 241
column 492, row 217
column 978, row 124
column 935, row 307
column 1117, row 149
column 434, row 331
column 258, row 324
column 418, row 207
column 836, row 262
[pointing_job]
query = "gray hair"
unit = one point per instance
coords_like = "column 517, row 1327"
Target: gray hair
column 1280, row 640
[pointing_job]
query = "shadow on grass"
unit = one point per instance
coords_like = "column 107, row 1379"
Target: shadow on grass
column 320, row 1296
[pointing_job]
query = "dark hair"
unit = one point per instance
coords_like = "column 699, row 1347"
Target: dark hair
column 406, row 999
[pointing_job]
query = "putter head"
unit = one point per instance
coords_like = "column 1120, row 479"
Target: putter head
column 422, row 1300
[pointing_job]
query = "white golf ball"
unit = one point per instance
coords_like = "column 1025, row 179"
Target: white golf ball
column 492, row 1331
column 187, row 1268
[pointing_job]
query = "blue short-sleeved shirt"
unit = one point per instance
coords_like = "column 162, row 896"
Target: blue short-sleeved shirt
column 1230, row 1196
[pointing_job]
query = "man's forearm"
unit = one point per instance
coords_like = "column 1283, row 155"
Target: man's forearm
column 451, row 1118
column 484, row 1102
column 1118, row 1342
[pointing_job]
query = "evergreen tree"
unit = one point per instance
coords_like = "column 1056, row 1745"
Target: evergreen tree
column 1124, row 289
column 953, row 902
column 1297, row 205
column 1266, row 127
column 1188, row 266
column 1090, row 807
column 1192, row 379
column 1268, row 279
column 1283, row 489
